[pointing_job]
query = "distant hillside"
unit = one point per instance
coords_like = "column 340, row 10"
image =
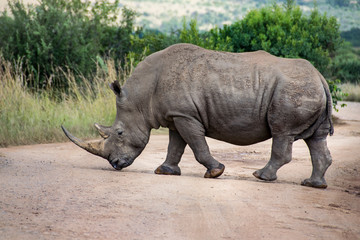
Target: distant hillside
column 167, row 15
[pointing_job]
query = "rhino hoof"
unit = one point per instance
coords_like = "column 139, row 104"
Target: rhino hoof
column 215, row 172
column 166, row 170
column 314, row 183
column 260, row 174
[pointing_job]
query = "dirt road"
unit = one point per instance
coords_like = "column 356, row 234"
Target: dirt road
column 58, row 191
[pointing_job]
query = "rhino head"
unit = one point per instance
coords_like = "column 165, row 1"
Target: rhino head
column 122, row 142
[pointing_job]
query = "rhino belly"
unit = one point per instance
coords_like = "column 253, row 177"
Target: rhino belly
column 240, row 133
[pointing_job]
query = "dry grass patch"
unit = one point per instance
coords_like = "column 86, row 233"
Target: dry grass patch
column 28, row 118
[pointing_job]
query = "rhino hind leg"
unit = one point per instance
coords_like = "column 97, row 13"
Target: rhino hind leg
column 175, row 151
column 320, row 157
column 281, row 153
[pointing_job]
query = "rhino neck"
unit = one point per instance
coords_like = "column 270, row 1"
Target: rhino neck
column 143, row 117
column 149, row 115
column 141, row 88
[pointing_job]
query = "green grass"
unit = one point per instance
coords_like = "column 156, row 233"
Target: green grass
column 28, row 118
column 353, row 91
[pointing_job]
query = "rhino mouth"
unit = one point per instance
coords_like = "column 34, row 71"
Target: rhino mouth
column 119, row 164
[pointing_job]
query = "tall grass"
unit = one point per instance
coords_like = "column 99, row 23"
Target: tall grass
column 28, row 118
column 352, row 90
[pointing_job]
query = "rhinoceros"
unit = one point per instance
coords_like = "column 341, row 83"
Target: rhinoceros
column 239, row 98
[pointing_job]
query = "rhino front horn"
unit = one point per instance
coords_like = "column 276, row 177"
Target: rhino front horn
column 96, row 148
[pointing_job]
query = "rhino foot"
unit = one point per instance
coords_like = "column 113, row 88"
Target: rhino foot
column 215, row 172
column 263, row 175
column 314, row 183
column 167, row 170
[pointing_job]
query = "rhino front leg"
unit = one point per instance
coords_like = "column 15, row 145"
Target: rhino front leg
column 281, row 153
column 175, row 151
column 193, row 132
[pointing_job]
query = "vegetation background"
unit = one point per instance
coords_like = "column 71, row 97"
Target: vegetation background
column 167, row 15
column 57, row 56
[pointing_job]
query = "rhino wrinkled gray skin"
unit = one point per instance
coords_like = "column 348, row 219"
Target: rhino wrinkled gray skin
column 239, row 98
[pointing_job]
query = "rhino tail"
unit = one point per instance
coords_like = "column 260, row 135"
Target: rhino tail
column 329, row 104
column 325, row 116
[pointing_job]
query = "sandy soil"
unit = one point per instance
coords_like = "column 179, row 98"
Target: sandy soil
column 58, row 191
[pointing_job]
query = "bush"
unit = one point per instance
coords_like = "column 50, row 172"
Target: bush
column 352, row 36
column 62, row 34
column 210, row 40
column 149, row 41
column 286, row 32
column 346, row 65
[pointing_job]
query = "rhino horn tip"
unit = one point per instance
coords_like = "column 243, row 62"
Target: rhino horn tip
column 71, row 137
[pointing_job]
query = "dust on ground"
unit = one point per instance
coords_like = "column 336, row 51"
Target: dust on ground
column 58, row 191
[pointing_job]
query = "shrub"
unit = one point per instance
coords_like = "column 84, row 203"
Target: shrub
column 352, row 36
column 286, row 32
column 149, row 41
column 346, row 65
column 66, row 34
column 210, row 40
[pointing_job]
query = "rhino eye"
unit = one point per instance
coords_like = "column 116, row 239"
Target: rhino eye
column 119, row 133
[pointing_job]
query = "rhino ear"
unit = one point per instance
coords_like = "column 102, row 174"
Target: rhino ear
column 115, row 86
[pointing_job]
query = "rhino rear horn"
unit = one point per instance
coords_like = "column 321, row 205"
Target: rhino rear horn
column 96, row 148
column 103, row 130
